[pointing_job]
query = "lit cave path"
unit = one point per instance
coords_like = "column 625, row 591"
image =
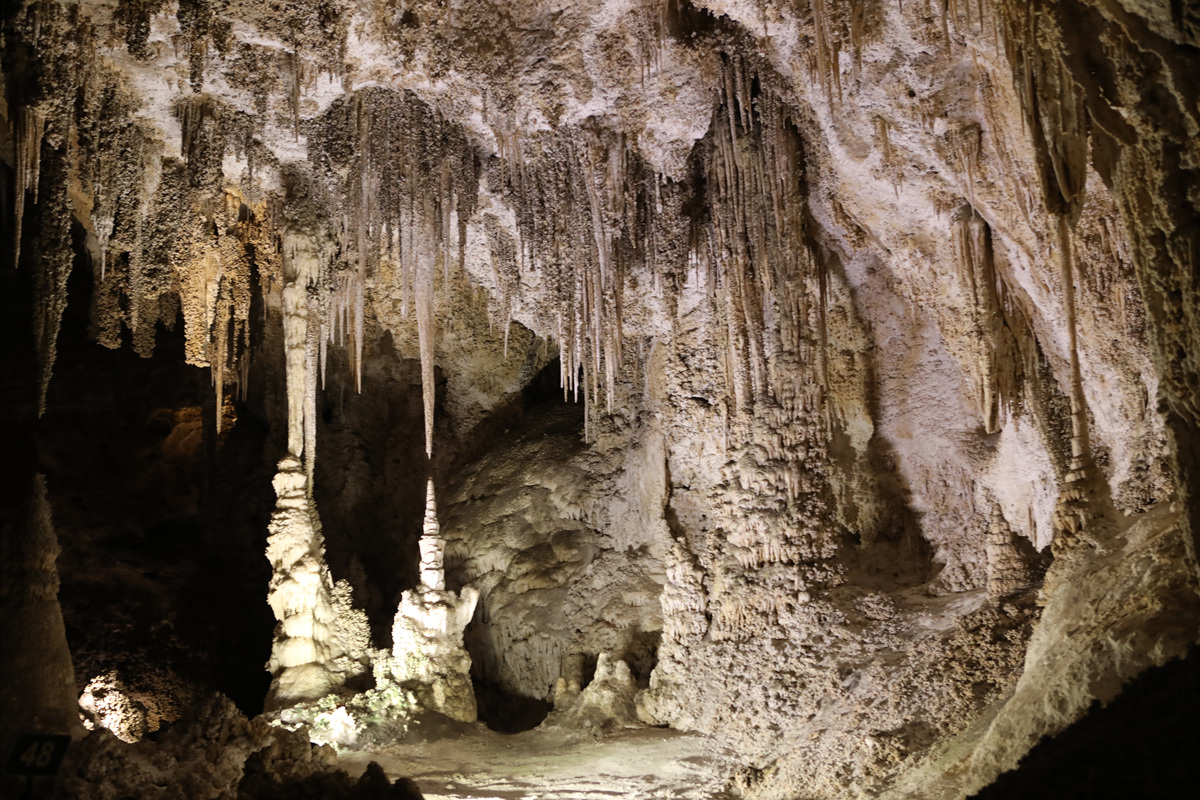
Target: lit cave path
column 550, row 765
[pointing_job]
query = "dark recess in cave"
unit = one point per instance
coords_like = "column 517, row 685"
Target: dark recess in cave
column 370, row 477
column 162, row 529
column 543, row 393
column 1144, row 744
column 686, row 23
column 371, row 467
column 507, row 712
column 539, row 408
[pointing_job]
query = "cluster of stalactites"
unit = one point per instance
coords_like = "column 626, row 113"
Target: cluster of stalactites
column 995, row 364
column 587, row 212
column 405, row 182
column 220, row 280
column 768, row 285
column 31, row 126
column 841, row 24
column 1057, row 123
column 830, row 33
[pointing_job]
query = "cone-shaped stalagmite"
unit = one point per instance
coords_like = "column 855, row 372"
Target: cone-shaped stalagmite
column 427, row 634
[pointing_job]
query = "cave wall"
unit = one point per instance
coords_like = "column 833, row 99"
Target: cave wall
column 864, row 303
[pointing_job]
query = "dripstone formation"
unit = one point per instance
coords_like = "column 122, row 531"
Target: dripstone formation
column 818, row 376
column 427, row 646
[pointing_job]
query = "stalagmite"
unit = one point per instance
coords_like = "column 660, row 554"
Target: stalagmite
column 1074, row 504
column 1009, row 557
column 428, row 657
column 314, row 651
column 432, row 546
column 808, row 398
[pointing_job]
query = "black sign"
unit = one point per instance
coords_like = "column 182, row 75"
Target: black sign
column 37, row 754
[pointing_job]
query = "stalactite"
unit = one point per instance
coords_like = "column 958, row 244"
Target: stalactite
column 295, row 81
column 995, row 366
column 102, row 224
column 1074, row 504
column 828, row 47
column 402, row 177
column 575, row 203
column 965, row 145
column 1053, row 106
column 31, row 127
column 312, row 333
column 425, row 271
column 882, row 128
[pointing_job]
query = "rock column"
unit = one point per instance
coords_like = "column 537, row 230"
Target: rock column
column 318, row 645
column 37, row 678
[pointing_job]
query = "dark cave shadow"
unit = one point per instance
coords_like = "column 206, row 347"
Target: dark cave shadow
column 154, row 567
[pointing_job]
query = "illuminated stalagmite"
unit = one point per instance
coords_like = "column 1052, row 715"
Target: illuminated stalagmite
column 320, row 644
column 427, row 647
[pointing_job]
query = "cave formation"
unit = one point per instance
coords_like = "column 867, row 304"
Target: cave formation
column 766, row 398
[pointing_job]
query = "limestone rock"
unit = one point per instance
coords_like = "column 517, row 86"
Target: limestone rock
column 428, row 656
column 854, row 300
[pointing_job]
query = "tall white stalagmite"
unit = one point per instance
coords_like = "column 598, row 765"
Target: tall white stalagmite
column 428, row 656
column 432, row 545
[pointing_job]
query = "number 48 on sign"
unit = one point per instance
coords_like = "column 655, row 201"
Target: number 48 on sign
column 37, row 754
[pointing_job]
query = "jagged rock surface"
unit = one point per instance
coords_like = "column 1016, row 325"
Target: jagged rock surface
column 214, row 751
column 553, row 538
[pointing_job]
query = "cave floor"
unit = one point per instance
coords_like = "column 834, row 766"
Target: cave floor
column 550, row 764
